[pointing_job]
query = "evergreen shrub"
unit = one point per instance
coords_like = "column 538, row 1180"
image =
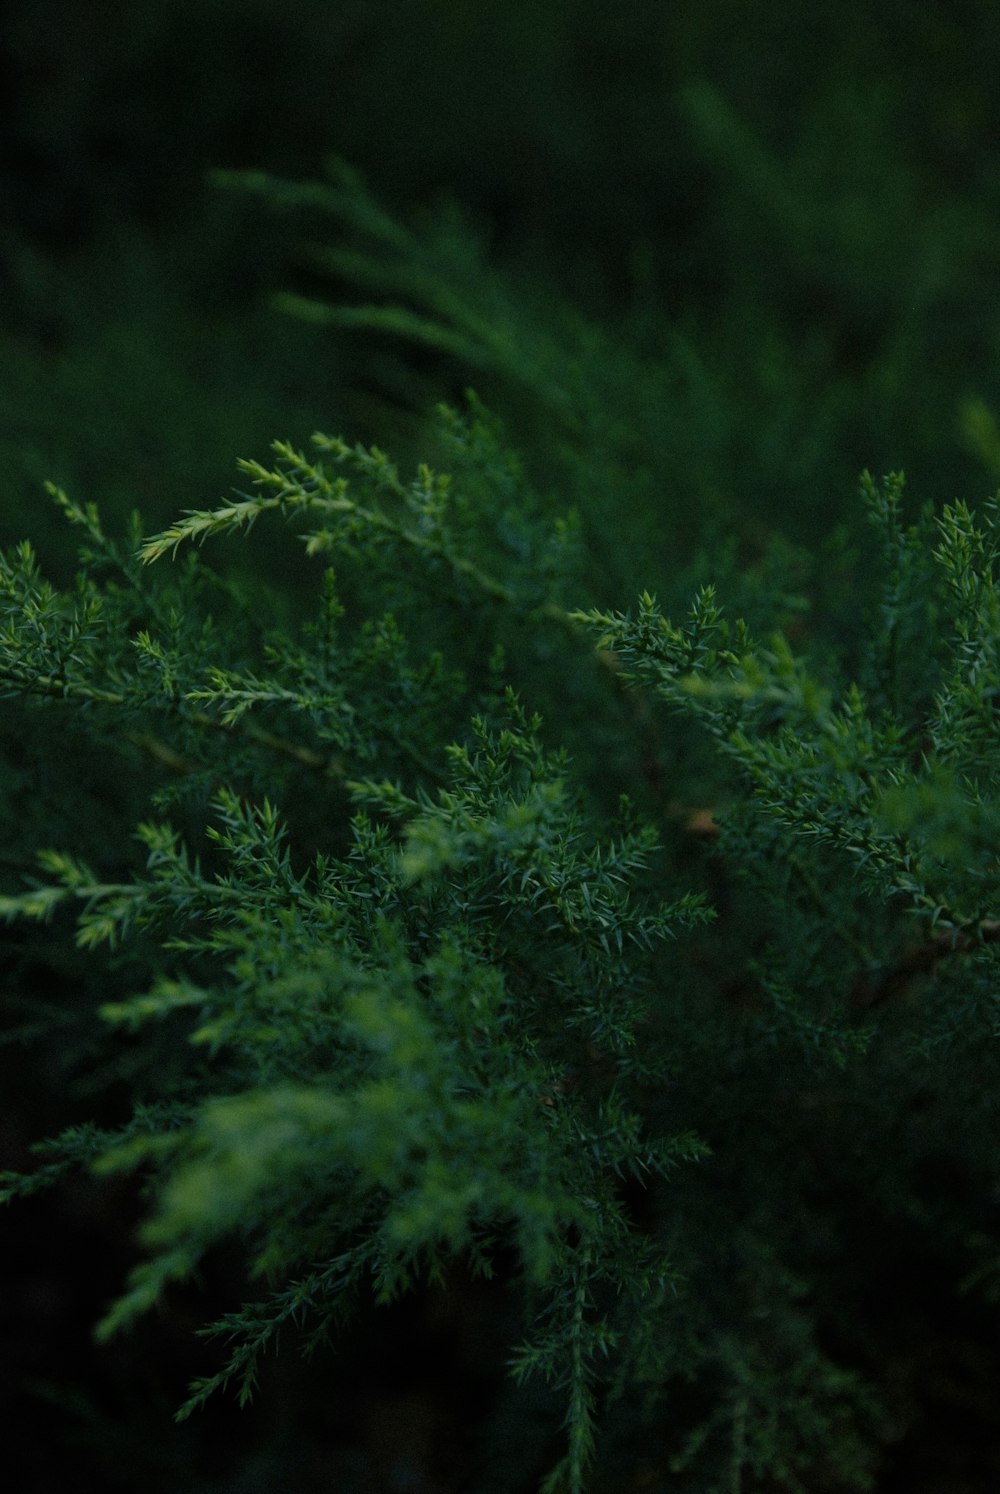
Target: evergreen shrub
column 648, row 964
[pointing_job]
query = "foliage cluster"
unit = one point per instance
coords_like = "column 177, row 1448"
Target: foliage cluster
column 431, row 993
column 438, row 914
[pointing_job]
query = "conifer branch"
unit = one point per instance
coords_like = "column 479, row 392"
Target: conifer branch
column 472, row 1024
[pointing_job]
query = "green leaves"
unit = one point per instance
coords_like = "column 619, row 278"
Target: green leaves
column 396, row 1075
column 413, row 517
column 429, row 996
column 840, row 771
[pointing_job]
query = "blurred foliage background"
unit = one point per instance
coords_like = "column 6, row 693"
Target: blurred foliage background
column 739, row 250
column 804, row 204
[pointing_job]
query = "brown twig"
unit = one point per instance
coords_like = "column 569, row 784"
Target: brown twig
column 892, row 983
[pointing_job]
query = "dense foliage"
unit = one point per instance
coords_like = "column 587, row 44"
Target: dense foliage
column 527, row 900
column 452, row 1002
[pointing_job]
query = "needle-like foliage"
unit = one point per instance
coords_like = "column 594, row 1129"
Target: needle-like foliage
column 419, row 986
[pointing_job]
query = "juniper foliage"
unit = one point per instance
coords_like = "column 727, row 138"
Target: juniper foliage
column 435, row 987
